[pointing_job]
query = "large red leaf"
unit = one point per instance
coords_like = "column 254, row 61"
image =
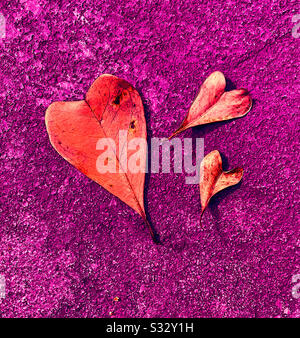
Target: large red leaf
column 213, row 179
column 212, row 104
column 74, row 129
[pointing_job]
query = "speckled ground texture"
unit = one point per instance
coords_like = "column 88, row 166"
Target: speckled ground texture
column 67, row 246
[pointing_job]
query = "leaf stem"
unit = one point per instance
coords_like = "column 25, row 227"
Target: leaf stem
column 201, row 225
column 154, row 236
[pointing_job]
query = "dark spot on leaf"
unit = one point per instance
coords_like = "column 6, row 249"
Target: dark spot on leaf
column 132, row 124
column 117, row 100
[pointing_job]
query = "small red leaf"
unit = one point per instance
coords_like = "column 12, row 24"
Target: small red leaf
column 213, row 179
column 74, row 129
column 212, row 104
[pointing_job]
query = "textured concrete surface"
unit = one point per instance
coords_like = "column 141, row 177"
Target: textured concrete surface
column 67, row 246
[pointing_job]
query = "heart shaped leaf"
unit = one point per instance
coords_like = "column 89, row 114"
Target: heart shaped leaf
column 110, row 117
column 213, row 179
column 212, row 104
